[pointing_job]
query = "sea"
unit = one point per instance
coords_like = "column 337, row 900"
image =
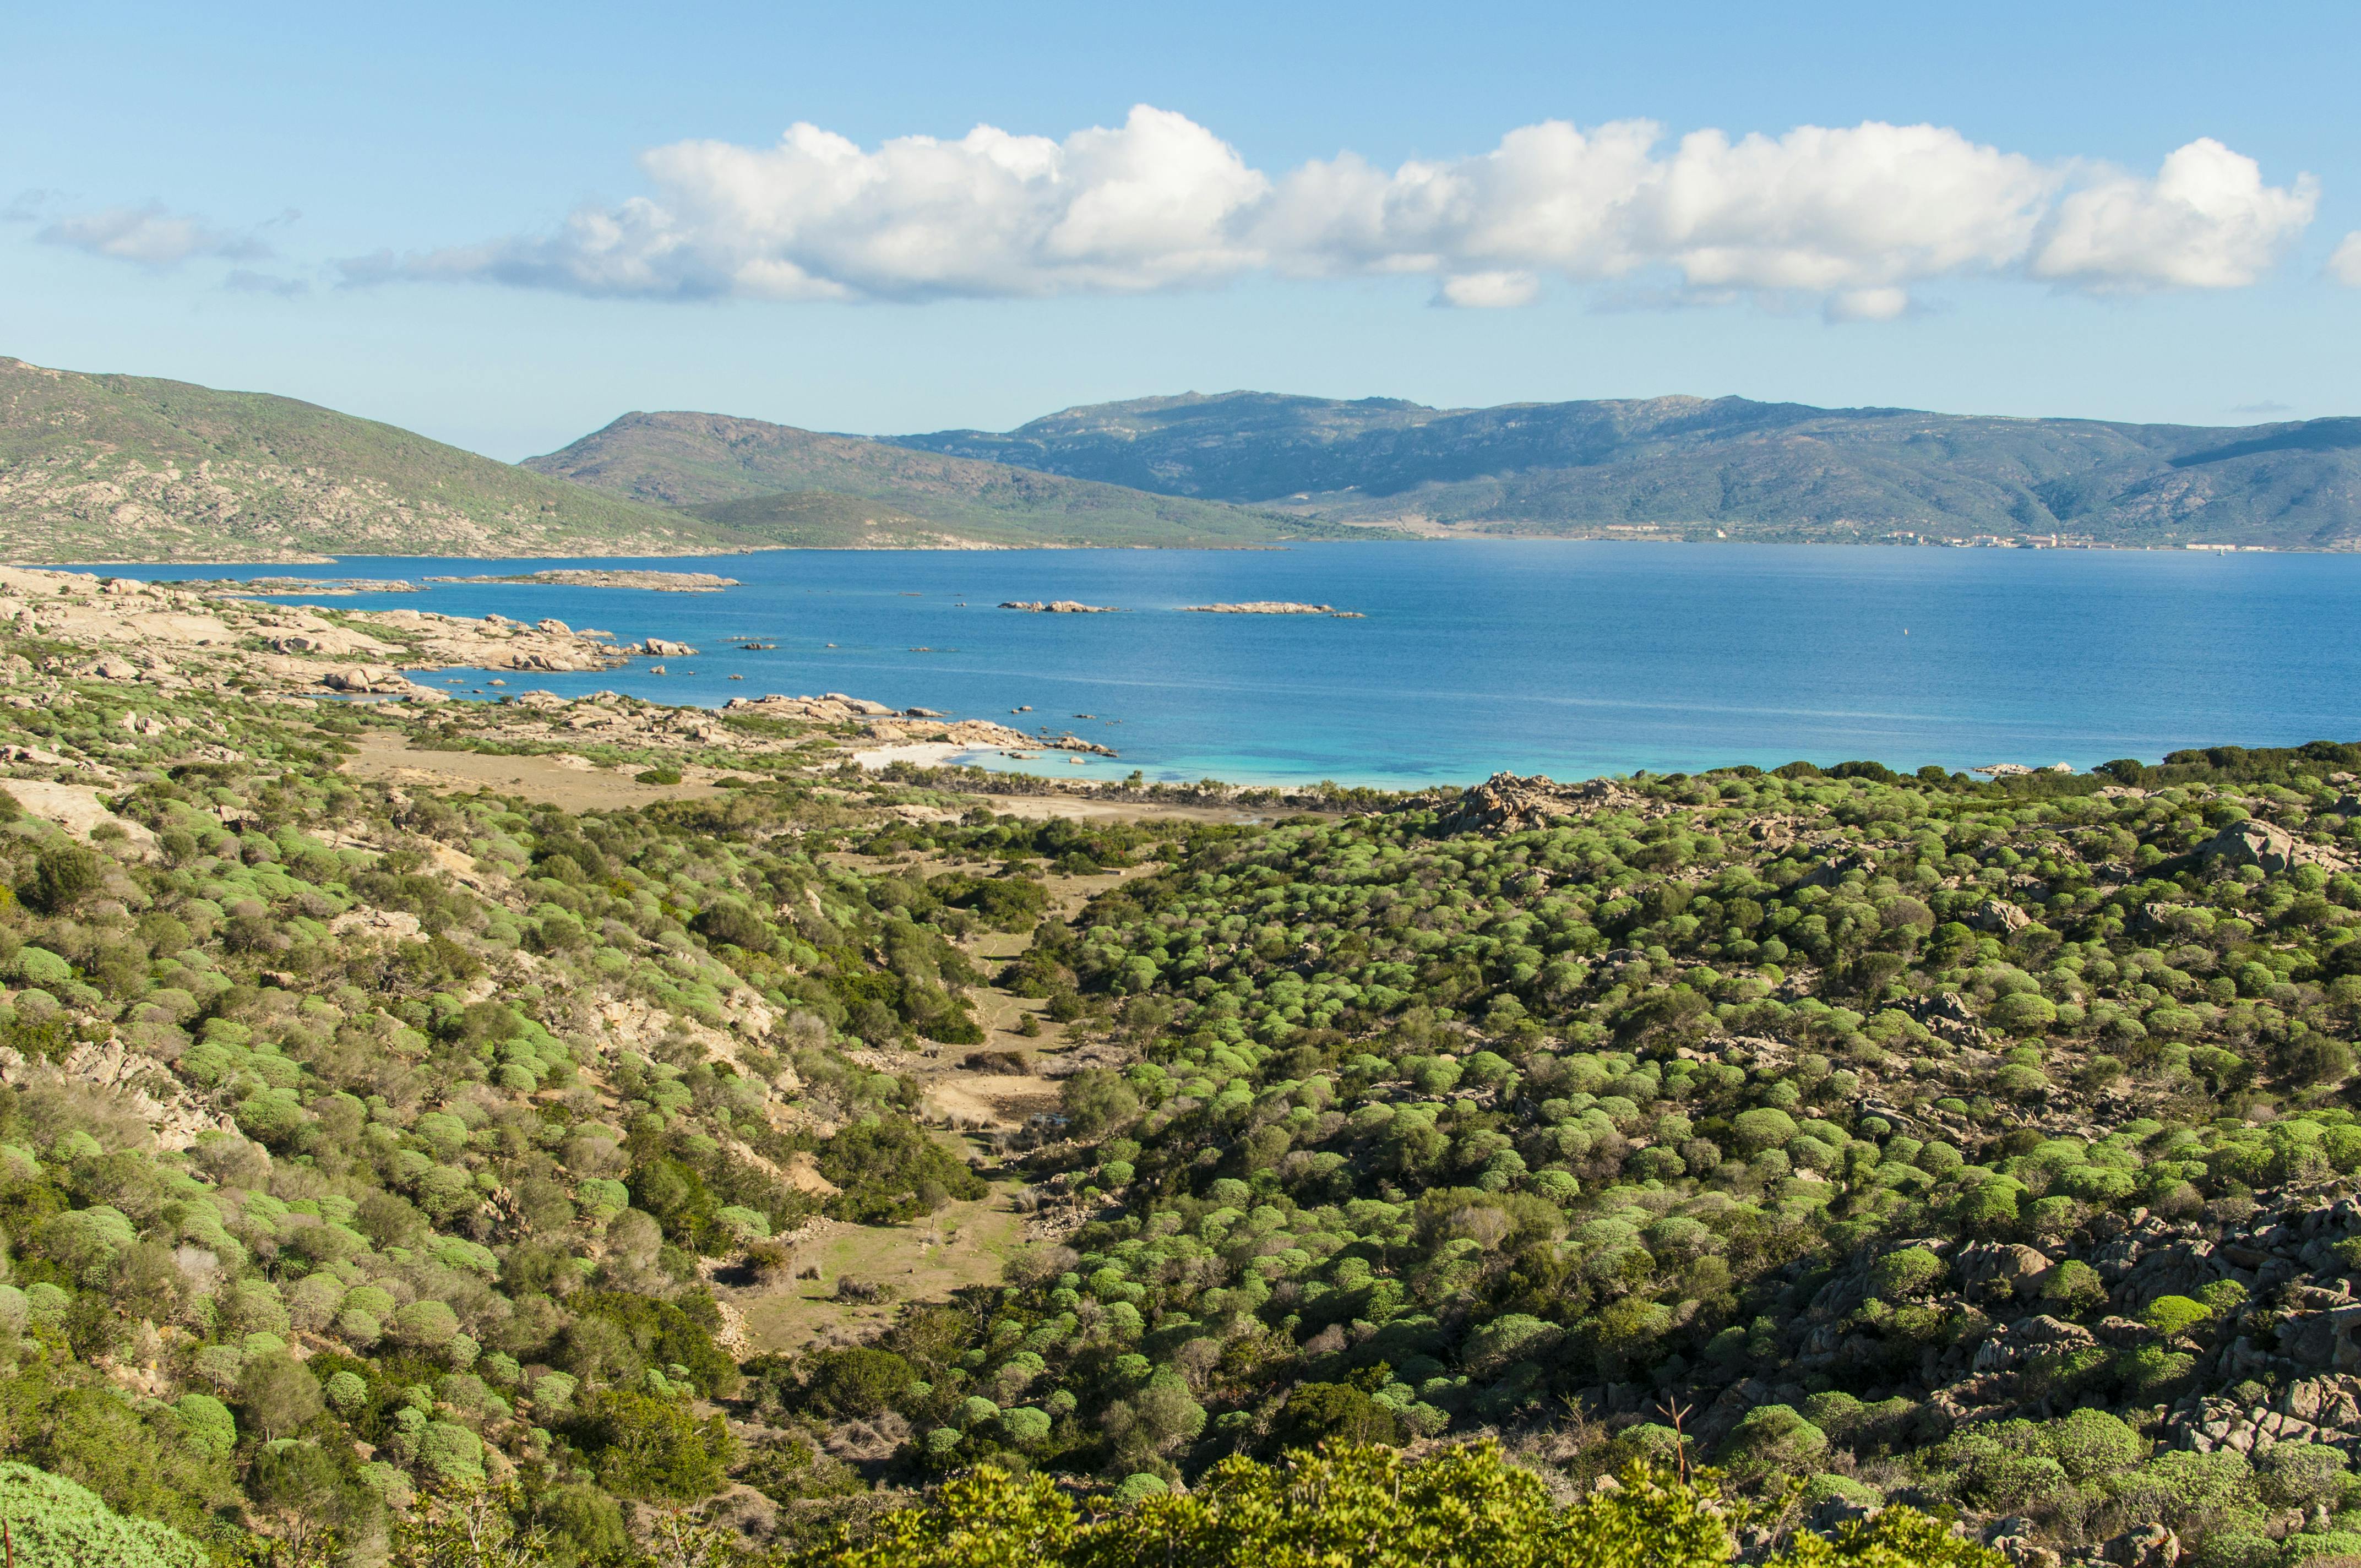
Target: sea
column 1571, row 658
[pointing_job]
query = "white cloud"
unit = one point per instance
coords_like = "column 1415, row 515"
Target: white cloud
column 2206, row 221
column 1851, row 218
column 1488, row 290
column 1868, row 305
column 1150, row 205
column 2345, row 263
column 149, row 235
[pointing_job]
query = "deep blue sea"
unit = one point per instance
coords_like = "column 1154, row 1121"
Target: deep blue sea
column 1571, row 658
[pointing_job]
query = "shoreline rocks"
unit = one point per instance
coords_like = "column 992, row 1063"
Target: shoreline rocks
column 1060, row 606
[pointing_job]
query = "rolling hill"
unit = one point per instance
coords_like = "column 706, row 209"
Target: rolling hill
column 1701, row 465
column 800, row 486
column 125, row 468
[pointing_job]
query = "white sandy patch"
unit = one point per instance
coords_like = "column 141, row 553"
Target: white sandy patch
column 926, row 753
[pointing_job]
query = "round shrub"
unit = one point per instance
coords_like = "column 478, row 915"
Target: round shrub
column 358, row 1329
column 346, row 1392
column 1764, row 1127
column 425, row 1325
column 1137, row 1487
column 1775, row 1440
column 2174, row 1315
column 1913, row 1271
column 1025, row 1424
column 207, row 1423
column 450, row 1451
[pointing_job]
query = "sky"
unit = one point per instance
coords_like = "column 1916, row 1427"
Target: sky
column 505, row 225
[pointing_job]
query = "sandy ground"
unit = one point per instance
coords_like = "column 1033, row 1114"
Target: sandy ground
column 926, row 1260
column 580, row 786
column 923, row 753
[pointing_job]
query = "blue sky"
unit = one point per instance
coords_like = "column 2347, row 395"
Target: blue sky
column 505, row 225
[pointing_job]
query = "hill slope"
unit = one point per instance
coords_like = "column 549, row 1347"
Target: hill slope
column 1761, row 470
column 761, row 479
column 124, row 467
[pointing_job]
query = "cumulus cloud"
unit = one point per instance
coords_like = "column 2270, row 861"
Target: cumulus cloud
column 1152, row 204
column 2206, row 221
column 2345, row 263
column 1852, row 218
column 149, row 236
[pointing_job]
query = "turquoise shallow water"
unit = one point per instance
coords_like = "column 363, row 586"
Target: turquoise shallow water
column 1564, row 657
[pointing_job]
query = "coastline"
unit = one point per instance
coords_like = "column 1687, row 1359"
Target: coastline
column 1523, row 657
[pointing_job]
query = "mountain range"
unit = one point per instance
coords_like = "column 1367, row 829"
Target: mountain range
column 800, row 486
column 105, row 467
column 1701, row 465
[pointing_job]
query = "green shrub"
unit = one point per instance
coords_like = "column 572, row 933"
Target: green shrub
column 1914, row 1271
column 2172, row 1316
column 53, row 1523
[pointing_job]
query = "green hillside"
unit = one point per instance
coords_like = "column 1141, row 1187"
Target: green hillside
column 1748, row 469
column 761, row 478
column 124, row 467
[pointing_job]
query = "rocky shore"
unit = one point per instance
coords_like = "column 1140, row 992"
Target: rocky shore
column 888, row 726
column 1060, row 606
column 170, row 636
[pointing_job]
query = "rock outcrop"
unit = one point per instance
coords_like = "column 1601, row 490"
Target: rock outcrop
column 1272, row 607
column 2269, row 846
column 1506, row 802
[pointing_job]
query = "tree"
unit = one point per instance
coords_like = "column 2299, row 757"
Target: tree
column 653, row 1448
column 61, row 877
column 298, row 1485
column 278, row 1394
column 1095, row 1099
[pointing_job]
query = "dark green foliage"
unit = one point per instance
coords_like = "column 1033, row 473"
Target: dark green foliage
column 859, row 1381
column 63, row 875
column 1333, row 1412
column 646, row 1447
column 664, row 1333
column 893, row 1169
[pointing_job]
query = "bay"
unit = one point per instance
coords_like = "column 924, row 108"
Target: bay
column 1566, row 657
